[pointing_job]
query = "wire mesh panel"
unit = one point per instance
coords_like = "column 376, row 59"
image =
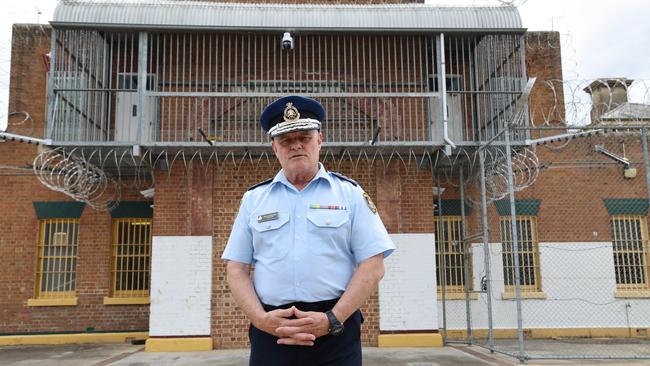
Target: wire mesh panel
column 131, row 257
column 579, row 258
column 57, row 258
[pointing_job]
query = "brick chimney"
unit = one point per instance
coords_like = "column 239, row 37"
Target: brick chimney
column 607, row 94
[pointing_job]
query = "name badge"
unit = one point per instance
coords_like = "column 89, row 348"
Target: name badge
column 268, row 217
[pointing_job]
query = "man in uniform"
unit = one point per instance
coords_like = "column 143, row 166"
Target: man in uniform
column 318, row 246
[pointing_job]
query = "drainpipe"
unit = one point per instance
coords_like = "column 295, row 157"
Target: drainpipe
column 442, row 88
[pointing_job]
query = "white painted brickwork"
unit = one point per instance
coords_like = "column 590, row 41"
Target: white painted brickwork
column 181, row 285
column 578, row 281
column 407, row 294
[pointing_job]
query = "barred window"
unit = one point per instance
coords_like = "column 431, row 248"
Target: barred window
column 131, row 257
column 630, row 246
column 528, row 254
column 450, row 247
column 56, row 272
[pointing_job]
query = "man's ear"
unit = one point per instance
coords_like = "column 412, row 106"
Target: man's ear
column 275, row 148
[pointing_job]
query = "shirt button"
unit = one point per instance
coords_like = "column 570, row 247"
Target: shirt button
column 268, row 226
column 299, row 216
column 328, row 222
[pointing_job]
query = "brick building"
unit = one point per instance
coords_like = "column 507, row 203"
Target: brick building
column 406, row 86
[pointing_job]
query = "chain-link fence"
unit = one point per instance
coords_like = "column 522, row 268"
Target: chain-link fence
column 572, row 281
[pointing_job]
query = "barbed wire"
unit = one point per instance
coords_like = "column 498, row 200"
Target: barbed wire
column 65, row 172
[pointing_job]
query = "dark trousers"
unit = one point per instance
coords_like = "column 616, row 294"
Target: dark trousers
column 341, row 350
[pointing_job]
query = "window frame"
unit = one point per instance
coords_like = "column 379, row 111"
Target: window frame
column 644, row 254
column 61, row 264
column 533, row 240
column 448, row 222
column 141, row 290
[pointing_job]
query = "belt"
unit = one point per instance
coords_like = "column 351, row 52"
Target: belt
column 320, row 306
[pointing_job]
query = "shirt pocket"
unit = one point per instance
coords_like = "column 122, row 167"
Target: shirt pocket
column 330, row 230
column 270, row 238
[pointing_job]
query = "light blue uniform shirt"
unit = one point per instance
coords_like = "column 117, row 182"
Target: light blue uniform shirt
column 300, row 252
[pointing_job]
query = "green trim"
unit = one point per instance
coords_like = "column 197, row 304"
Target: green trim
column 522, row 207
column 452, row 208
column 135, row 209
column 58, row 209
column 626, row 206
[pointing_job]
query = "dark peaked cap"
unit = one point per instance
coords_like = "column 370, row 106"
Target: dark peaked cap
column 292, row 113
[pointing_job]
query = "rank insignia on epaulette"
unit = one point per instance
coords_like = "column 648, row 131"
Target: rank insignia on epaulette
column 371, row 205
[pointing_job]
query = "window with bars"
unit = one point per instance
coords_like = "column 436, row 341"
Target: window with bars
column 449, row 256
column 131, row 257
column 529, row 271
column 56, row 273
column 630, row 246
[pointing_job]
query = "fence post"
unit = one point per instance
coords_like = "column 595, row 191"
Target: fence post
column 486, row 253
column 646, row 160
column 515, row 247
column 464, row 243
column 443, row 279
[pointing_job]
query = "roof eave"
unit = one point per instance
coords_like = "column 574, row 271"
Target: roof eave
column 166, row 27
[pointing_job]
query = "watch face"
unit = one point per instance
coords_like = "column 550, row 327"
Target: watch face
column 337, row 329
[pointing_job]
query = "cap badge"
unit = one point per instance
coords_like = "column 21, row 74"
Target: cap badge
column 291, row 113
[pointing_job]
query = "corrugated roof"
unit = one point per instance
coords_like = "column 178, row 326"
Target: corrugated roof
column 175, row 14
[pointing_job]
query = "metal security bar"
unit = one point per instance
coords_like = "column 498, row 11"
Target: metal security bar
column 376, row 87
column 131, row 257
column 528, row 254
column 630, row 246
column 57, row 258
column 451, row 273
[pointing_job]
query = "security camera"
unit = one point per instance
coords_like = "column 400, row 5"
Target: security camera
column 287, row 41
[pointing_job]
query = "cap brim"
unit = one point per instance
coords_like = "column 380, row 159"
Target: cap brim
column 305, row 124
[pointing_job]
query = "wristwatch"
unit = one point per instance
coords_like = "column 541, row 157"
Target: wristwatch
column 336, row 327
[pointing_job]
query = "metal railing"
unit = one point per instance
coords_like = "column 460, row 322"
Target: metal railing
column 386, row 88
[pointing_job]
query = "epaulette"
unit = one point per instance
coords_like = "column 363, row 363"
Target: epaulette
column 354, row 183
column 260, row 184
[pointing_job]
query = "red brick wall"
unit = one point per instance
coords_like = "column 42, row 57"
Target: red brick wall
column 414, row 209
column 18, row 253
column 402, row 191
column 18, row 242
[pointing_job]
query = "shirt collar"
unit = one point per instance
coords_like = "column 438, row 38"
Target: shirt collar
column 321, row 173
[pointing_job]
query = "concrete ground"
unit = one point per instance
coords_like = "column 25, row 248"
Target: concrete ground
column 133, row 355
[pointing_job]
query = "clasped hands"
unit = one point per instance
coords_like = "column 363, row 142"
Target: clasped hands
column 302, row 330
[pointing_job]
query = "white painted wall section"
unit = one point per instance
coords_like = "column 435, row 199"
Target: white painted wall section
column 407, row 294
column 181, row 286
column 578, row 280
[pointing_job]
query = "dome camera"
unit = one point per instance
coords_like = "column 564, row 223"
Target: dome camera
column 287, row 41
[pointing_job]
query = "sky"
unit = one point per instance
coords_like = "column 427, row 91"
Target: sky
column 600, row 38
